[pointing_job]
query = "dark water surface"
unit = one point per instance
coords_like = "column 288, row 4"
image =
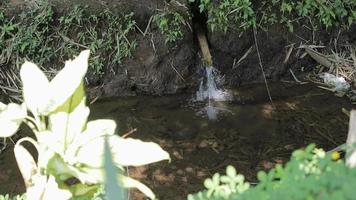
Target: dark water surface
column 249, row 133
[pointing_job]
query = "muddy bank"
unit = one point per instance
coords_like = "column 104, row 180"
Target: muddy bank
column 274, row 46
column 158, row 68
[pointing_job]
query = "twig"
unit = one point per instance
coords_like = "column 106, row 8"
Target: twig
column 295, row 78
column 94, row 100
column 288, row 54
column 10, row 89
column 129, row 133
column 177, row 72
column 259, row 58
column 242, row 58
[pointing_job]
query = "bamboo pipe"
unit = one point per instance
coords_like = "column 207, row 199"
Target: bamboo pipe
column 204, row 47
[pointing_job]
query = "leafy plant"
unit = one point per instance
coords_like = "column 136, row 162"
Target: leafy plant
column 311, row 174
column 38, row 34
column 242, row 14
column 17, row 197
column 65, row 141
column 170, row 25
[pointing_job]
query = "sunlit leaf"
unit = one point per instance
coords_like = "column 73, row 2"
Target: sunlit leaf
column 128, row 182
column 44, row 188
column 66, row 126
column 11, row 118
column 66, row 82
column 26, row 163
column 2, row 106
column 126, row 152
column 134, row 152
column 35, row 87
column 91, row 136
column 53, row 191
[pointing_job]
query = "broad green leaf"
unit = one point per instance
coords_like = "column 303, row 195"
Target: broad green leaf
column 26, row 163
column 113, row 189
column 66, row 82
column 83, row 190
column 62, row 171
column 11, row 118
column 35, row 87
column 74, row 100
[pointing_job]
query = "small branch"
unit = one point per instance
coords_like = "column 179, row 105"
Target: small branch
column 259, row 58
column 129, row 133
column 295, row 78
column 177, row 72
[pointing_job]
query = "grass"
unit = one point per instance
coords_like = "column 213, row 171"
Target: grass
column 38, row 34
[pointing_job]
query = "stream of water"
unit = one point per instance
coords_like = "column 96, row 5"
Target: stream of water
column 210, row 92
column 248, row 132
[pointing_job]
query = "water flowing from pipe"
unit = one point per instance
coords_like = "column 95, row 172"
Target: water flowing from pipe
column 210, row 92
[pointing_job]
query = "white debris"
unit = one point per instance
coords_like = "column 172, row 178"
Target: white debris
column 338, row 84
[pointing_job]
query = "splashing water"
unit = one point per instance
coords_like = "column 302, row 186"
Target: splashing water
column 210, row 92
column 208, row 89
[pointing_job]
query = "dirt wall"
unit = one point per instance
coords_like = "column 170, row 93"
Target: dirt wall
column 157, row 68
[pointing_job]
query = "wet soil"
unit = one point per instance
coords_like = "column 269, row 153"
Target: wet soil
column 250, row 133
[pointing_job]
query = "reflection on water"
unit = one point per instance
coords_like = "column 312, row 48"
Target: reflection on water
column 249, row 114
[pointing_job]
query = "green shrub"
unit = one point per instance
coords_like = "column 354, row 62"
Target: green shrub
column 310, row 174
column 38, row 34
column 170, row 25
column 241, row 14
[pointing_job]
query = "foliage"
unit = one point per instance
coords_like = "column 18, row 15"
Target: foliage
column 239, row 13
column 170, row 25
column 242, row 14
column 311, row 174
column 38, row 34
column 17, row 197
column 65, row 140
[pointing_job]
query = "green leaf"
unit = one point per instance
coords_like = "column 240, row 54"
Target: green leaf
column 262, row 176
column 112, row 187
column 11, row 117
column 231, row 171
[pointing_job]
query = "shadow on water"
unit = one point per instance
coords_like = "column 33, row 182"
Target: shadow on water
column 249, row 132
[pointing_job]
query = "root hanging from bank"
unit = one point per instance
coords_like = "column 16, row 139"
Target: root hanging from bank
column 261, row 66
